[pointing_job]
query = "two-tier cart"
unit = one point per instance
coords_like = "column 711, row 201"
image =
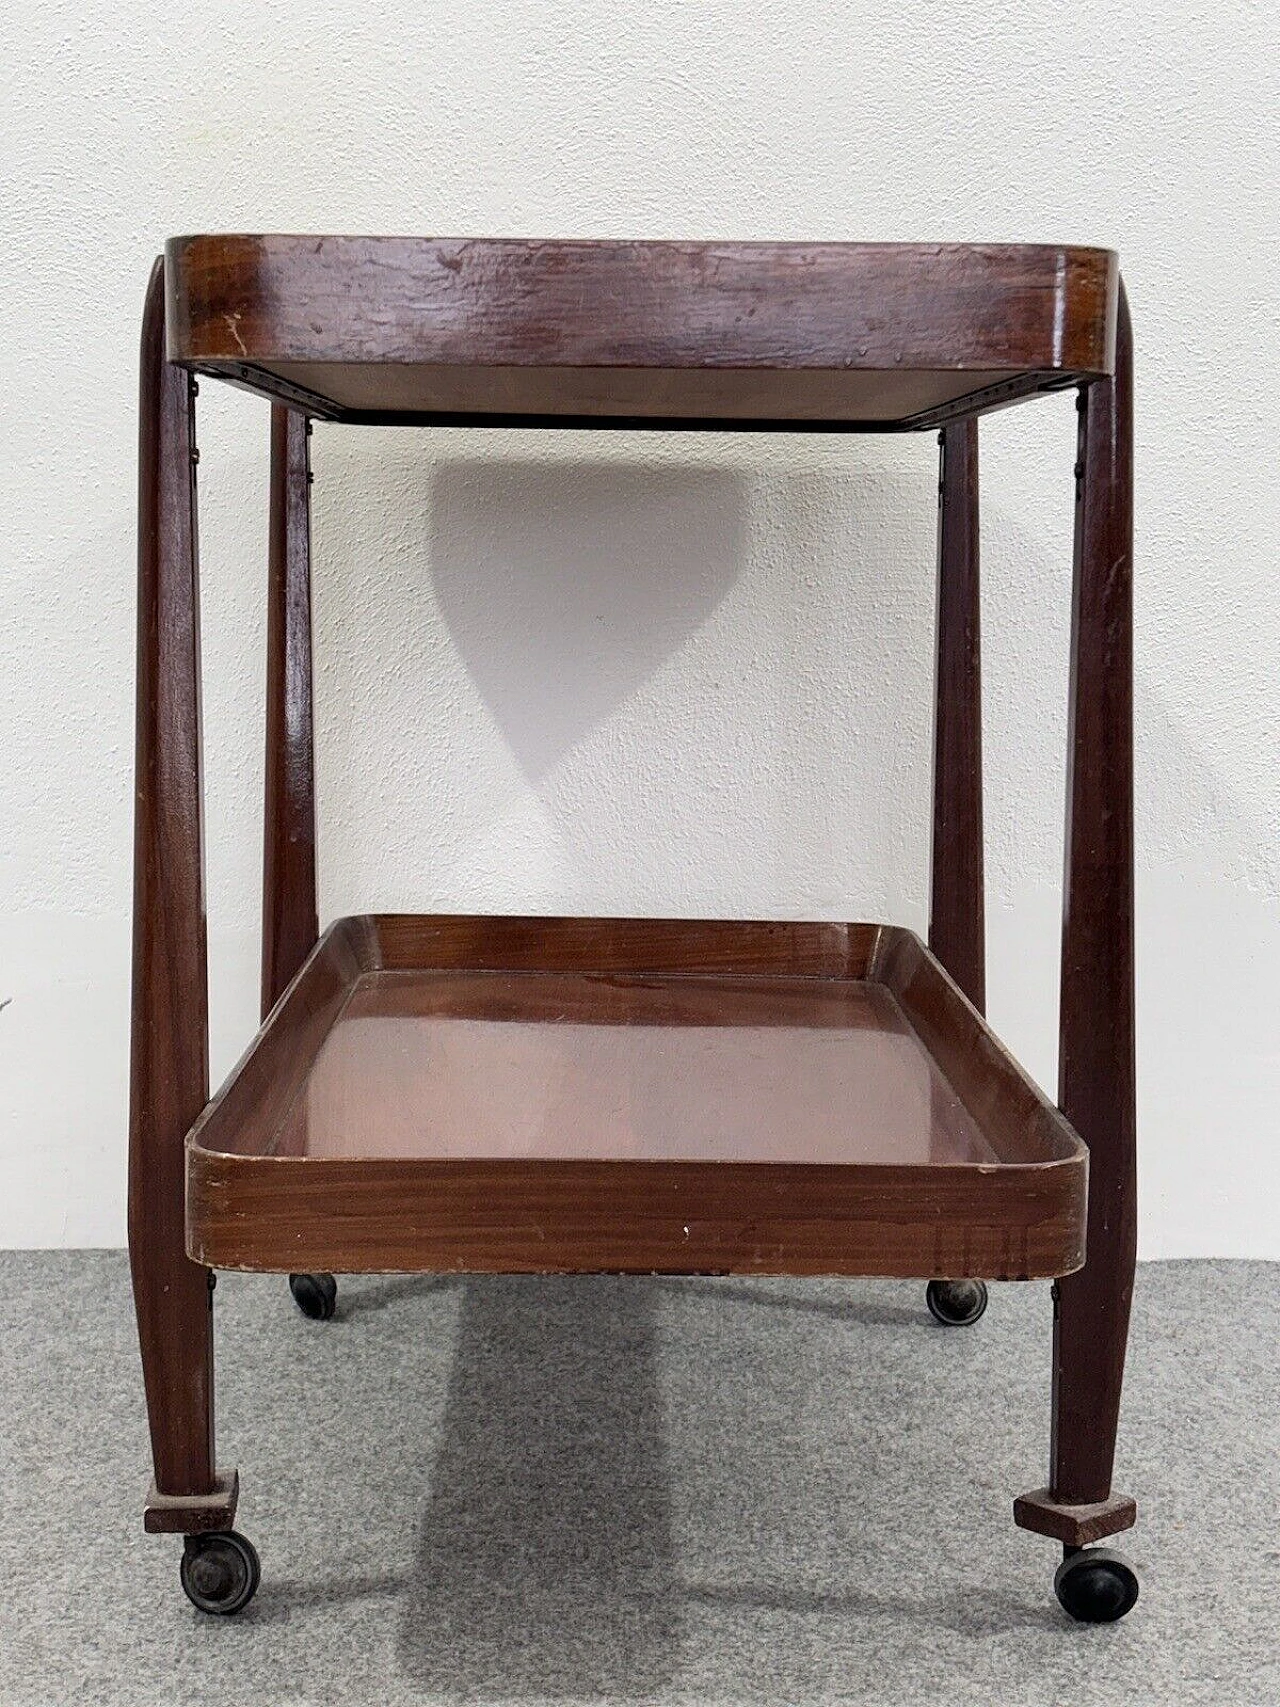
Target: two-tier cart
column 546, row 1095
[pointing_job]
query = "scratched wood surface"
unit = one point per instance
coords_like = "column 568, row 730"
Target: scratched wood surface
column 752, row 334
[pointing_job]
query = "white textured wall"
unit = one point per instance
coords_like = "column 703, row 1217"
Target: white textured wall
column 662, row 676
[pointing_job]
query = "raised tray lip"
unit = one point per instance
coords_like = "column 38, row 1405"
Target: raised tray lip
column 218, row 1175
column 245, row 299
column 495, row 240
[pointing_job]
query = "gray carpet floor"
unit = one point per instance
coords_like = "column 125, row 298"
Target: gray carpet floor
column 642, row 1491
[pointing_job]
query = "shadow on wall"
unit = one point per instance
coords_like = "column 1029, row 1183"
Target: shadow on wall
column 712, row 678
column 589, row 583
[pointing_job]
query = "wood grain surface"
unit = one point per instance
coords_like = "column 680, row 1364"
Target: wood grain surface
column 1096, row 1065
column 552, row 1095
column 396, row 328
column 957, row 903
column 575, row 1095
column 289, row 921
column 169, row 1061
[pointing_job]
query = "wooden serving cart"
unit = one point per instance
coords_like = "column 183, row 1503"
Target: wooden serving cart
column 536, row 1095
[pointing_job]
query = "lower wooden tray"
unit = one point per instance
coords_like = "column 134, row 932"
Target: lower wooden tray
column 618, row 1095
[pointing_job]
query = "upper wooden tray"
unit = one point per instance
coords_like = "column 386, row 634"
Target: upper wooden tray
column 842, row 336
column 556, row 1094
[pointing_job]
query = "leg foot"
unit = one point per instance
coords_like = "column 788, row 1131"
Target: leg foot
column 193, row 1514
column 220, row 1572
column 956, row 1303
column 1074, row 1524
column 1096, row 1585
column 316, row 1295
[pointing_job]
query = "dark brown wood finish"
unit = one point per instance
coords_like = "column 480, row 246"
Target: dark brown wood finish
column 290, row 924
column 381, row 1155
column 622, row 1217
column 639, row 399
column 400, row 329
column 957, row 920
column 317, row 1153
column 274, row 1067
column 193, row 1514
column 1096, row 1062
column 799, row 948
column 1074, row 1525
column 169, row 1073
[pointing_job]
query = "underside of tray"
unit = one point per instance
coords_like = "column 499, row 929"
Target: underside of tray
column 547, row 1095
column 839, row 337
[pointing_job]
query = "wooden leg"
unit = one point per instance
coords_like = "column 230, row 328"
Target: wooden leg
column 957, row 905
column 957, row 933
column 1096, row 1058
column 290, row 923
column 169, row 1074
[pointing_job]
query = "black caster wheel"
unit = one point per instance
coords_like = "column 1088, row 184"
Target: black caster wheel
column 220, row 1572
column 956, row 1303
column 316, row 1295
column 1096, row 1585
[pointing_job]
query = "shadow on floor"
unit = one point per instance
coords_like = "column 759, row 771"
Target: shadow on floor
column 553, row 1562
column 545, row 1565
column 853, row 1309
column 389, row 1290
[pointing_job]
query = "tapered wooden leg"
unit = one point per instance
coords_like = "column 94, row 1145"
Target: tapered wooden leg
column 957, row 933
column 1096, row 1056
column 169, row 1077
column 290, row 924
